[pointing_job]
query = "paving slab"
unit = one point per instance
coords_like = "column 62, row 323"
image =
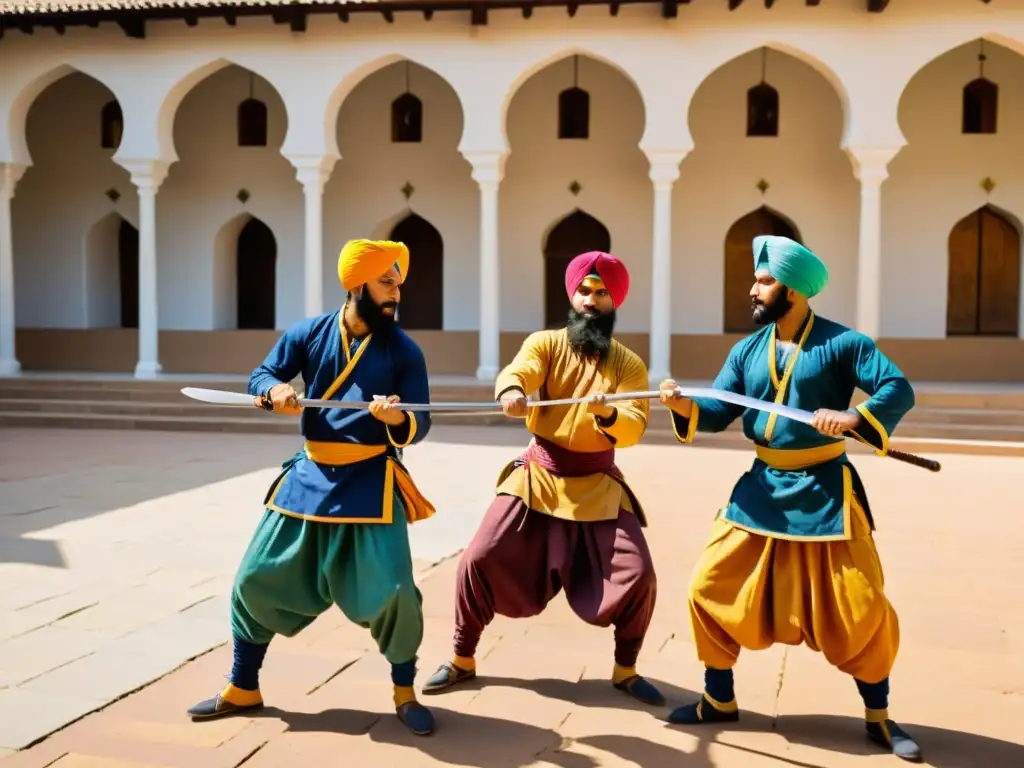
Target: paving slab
column 145, row 582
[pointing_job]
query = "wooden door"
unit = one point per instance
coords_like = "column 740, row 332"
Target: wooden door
column 422, row 305
column 128, row 273
column 739, row 265
column 256, row 276
column 983, row 292
column 577, row 233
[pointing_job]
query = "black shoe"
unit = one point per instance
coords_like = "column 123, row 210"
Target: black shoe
column 219, row 707
column 889, row 735
column 417, row 718
column 446, row 676
column 702, row 711
column 641, row 690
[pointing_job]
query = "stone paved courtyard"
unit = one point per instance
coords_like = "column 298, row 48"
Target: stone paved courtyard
column 117, row 551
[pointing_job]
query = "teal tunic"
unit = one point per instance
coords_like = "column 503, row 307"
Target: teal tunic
column 801, row 485
column 358, row 489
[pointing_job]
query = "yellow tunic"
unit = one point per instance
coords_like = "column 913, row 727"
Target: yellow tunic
column 548, row 366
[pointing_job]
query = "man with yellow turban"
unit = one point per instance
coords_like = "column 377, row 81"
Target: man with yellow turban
column 792, row 558
column 334, row 528
column 564, row 517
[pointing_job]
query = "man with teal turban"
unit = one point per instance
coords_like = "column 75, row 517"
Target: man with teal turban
column 334, row 529
column 792, row 558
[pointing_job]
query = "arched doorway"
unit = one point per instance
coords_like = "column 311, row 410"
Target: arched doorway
column 577, row 233
column 255, row 275
column 739, row 265
column 128, row 273
column 983, row 296
column 422, row 306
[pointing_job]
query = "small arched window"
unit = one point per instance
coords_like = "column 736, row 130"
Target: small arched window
column 981, row 106
column 111, row 125
column 762, row 111
column 407, row 119
column 252, row 123
column 574, row 114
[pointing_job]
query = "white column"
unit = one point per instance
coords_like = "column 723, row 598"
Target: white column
column 870, row 166
column 488, row 170
column 147, row 176
column 10, row 173
column 313, row 173
column 664, row 172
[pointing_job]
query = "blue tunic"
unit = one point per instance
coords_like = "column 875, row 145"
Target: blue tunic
column 347, row 483
column 801, row 483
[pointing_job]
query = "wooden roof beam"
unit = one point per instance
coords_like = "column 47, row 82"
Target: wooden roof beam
column 877, row 6
column 132, row 26
column 478, row 15
column 669, row 9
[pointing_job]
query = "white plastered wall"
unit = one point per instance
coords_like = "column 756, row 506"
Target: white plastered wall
column 866, row 60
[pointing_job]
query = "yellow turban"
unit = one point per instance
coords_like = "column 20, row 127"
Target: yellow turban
column 362, row 261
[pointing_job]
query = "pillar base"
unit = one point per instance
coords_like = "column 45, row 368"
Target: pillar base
column 148, row 370
column 654, row 378
column 487, row 373
column 9, row 368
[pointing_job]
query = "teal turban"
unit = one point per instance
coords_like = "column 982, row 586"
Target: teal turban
column 791, row 264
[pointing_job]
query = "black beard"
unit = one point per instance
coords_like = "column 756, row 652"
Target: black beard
column 765, row 314
column 591, row 334
column 372, row 313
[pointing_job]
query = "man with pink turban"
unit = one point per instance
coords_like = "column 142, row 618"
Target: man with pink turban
column 563, row 516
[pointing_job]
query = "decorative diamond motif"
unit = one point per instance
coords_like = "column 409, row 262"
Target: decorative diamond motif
column 408, row 190
column 987, row 184
column 575, row 188
column 763, row 186
column 243, row 196
column 113, row 194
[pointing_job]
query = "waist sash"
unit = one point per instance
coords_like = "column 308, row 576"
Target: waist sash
column 795, row 459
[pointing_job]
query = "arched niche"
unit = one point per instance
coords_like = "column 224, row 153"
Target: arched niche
column 577, row 233
column 983, row 287
column 739, row 265
column 422, row 305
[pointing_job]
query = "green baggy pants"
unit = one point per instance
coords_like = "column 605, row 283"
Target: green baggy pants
column 295, row 569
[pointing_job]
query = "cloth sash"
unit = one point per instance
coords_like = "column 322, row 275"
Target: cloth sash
column 563, row 462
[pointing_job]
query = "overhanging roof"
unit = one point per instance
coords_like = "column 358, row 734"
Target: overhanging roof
column 131, row 15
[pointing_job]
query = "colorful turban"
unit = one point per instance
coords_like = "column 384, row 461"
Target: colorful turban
column 611, row 271
column 362, row 261
column 791, row 264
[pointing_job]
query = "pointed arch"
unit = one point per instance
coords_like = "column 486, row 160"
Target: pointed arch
column 17, row 115
column 557, row 58
column 730, row 52
column 576, row 233
column 189, row 82
column 739, row 264
column 356, row 76
column 422, row 294
column 983, row 294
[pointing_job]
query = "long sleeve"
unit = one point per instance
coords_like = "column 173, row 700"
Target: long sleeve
column 284, row 362
column 890, row 395
column 413, row 387
column 708, row 414
column 528, row 369
column 628, row 421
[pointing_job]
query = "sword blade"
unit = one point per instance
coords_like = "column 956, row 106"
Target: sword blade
column 806, row 417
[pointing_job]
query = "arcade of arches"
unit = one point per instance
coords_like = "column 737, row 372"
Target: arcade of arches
column 766, row 160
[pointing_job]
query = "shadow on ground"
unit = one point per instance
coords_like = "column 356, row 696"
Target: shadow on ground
column 465, row 739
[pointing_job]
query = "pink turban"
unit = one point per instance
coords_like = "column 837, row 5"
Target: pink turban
column 611, row 271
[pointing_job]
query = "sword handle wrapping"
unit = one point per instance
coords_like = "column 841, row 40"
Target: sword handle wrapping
column 918, row 461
